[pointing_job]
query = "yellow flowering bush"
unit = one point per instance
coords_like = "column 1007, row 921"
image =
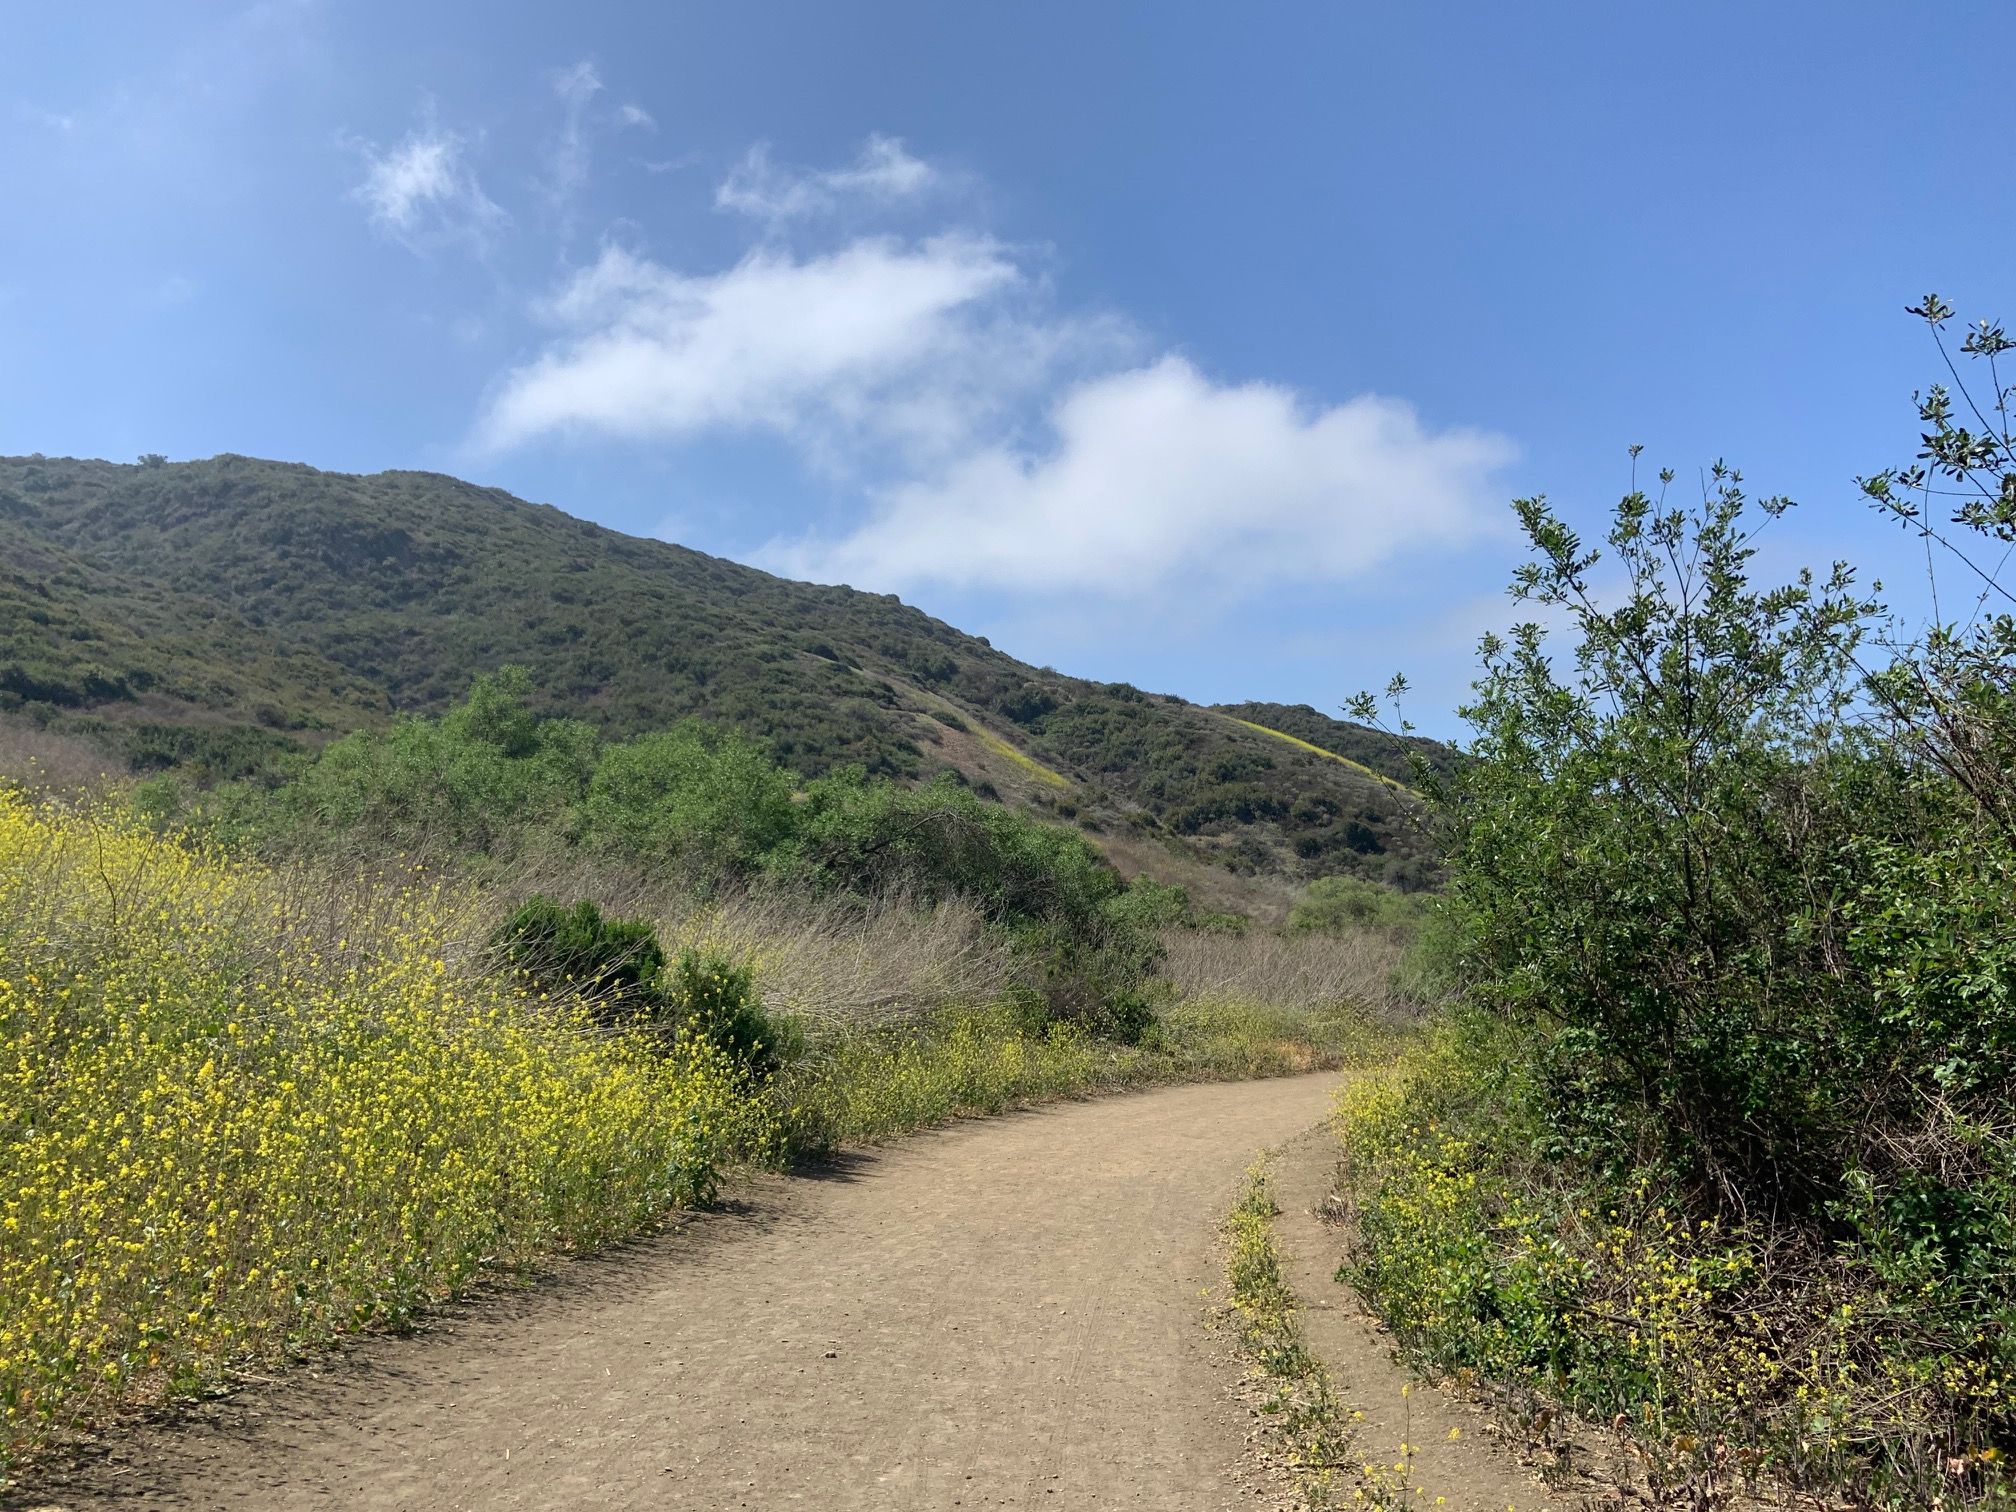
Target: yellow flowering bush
column 229, row 1129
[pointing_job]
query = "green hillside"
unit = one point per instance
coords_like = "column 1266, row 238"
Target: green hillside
column 221, row 613
column 1357, row 744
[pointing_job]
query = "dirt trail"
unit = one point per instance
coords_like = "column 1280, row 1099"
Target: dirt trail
column 1002, row 1314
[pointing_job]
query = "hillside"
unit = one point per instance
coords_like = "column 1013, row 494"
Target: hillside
column 1351, row 743
column 221, row 613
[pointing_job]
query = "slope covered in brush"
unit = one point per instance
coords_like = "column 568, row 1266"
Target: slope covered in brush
column 219, row 613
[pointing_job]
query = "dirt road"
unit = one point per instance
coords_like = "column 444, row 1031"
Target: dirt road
column 1002, row 1314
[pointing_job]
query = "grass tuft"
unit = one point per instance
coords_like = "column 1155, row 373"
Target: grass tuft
column 1308, row 1428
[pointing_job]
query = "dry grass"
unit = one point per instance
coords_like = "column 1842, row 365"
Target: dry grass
column 1302, row 970
column 838, row 963
column 1265, row 898
column 828, row 962
column 835, row 964
column 46, row 762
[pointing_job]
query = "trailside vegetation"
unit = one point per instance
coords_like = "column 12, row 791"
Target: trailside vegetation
column 703, row 809
column 254, row 1103
column 244, row 1109
column 1724, row 1144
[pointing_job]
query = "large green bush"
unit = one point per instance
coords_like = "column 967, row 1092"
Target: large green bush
column 1043, row 884
column 704, row 800
column 1339, row 905
column 1735, row 882
column 481, row 778
column 1654, row 847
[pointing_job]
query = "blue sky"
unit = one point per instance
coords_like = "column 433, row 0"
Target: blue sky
column 1195, row 345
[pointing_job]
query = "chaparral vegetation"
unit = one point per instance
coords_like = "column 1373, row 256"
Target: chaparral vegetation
column 1682, row 999
column 1722, row 1143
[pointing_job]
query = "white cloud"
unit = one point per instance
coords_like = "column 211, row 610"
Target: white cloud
column 989, row 441
column 423, row 192
column 636, row 115
column 1159, row 476
column 883, row 174
column 870, row 339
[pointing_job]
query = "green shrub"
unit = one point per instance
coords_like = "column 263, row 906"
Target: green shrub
column 618, row 967
column 1127, row 1018
column 1733, row 1154
column 1652, row 852
column 1148, row 904
column 1339, row 905
column 717, row 997
column 614, row 964
column 704, row 801
column 1045, row 886
column 1433, row 967
column 480, row 779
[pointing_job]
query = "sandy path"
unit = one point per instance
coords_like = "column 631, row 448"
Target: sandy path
column 1002, row 1314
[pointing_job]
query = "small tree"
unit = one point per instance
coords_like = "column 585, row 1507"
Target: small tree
column 1648, row 853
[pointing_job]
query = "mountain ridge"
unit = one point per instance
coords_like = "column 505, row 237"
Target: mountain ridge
column 221, row 612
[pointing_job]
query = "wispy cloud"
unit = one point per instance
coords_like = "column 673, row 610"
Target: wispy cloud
column 176, row 289
column 567, row 159
column 668, row 165
column 61, row 122
column 883, row 174
column 423, row 193
column 638, row 116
